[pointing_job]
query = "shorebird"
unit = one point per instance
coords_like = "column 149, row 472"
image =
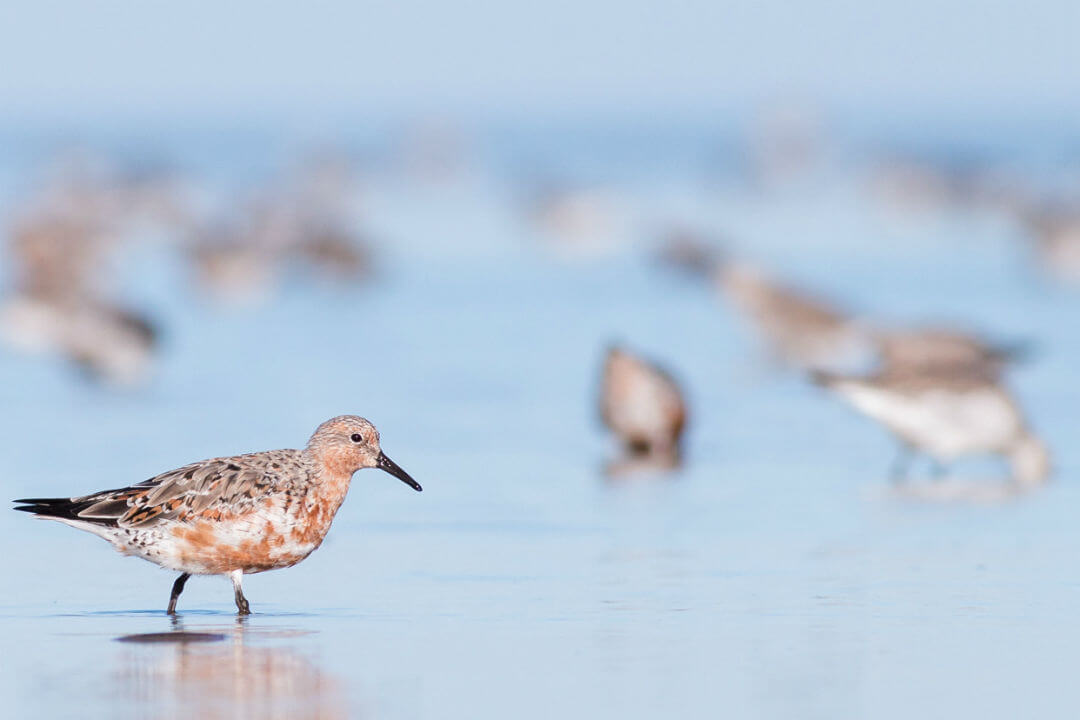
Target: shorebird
column 642, row 404
column 799, row 329
column 109, row 343
column 60, row 303
column 931, row 349
column 231, row 515
column 946, row 415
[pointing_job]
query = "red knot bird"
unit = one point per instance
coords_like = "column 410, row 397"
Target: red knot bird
column 946, row 415
column 642, row 404
column 231, row 515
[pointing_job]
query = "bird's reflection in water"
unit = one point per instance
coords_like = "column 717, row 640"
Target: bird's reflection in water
column 648, row 466
column 961, row 490
column 236, row 672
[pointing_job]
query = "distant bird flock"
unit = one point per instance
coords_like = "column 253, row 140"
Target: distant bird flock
column 65, row 238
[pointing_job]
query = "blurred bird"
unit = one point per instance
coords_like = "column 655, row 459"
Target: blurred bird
column 946, row 415
column 243, row 257
column 333, row 252
column 799, row 329
column 917, row 184
column 578, row 222
column 110, row 343
column 231, row 515
column 930, row 349
column 946, row 183
column 642, row 405
column 58, row 254
column 685, row 250
column 59, row 303
column 113, row 344
column 234, row 265
column 1056, row 234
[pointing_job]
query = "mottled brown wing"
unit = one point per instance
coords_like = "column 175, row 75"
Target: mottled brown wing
column 203, row 489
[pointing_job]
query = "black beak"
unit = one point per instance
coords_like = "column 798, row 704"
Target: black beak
column 385, row 463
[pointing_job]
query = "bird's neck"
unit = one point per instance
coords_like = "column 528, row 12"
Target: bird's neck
column 324, row 498
column 332, row 474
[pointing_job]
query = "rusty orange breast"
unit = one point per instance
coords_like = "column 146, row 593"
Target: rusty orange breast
column 317, row 512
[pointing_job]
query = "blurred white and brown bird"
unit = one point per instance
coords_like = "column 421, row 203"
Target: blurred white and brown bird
column 244, row 255
column 59, row 302
column 642, row 404
column 111, row 344
column 946, row 415
column 235, row 261
column 799, row 329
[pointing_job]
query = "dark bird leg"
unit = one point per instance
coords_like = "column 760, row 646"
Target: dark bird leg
column 902, row 464
column 177, row 588
column 242, row 606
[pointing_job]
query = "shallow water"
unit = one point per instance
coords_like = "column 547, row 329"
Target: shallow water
column 775, row 575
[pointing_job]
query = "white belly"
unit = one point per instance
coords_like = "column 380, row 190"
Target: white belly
column 943, row 423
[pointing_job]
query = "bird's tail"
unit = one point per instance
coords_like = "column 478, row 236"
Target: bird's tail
column 60, row 508
column 1016, row 352
column 824, row 378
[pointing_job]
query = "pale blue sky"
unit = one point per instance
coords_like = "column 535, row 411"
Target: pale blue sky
column 196, row 58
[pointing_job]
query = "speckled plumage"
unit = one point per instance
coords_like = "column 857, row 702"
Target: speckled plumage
column 232, row 515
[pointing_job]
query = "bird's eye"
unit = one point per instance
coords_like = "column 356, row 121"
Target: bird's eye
column 357, row 437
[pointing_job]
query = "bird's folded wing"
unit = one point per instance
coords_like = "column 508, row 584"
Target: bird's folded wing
column 211, row 488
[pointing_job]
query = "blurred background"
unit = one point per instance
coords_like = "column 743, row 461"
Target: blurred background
column 821, row 234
